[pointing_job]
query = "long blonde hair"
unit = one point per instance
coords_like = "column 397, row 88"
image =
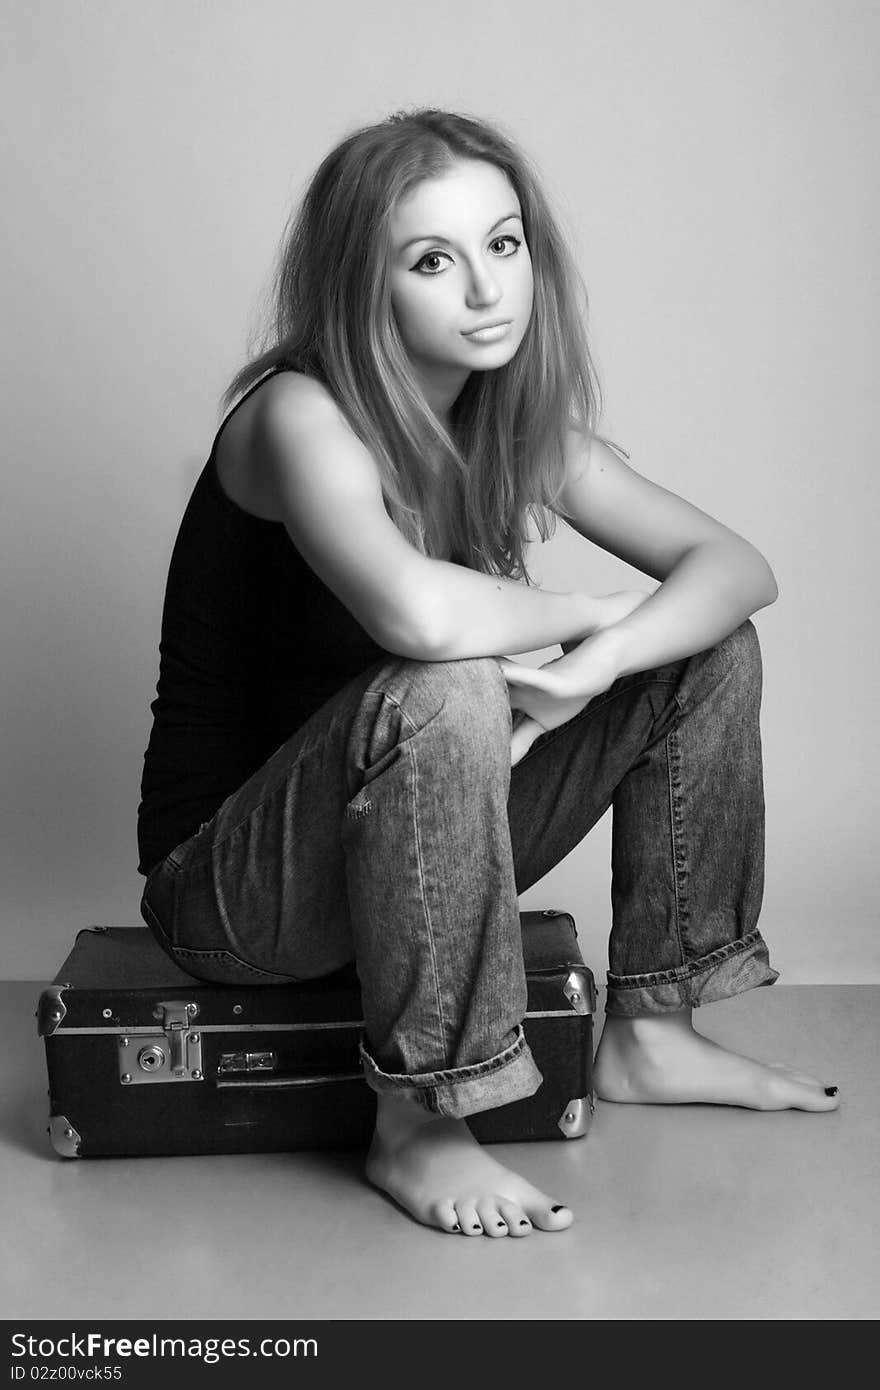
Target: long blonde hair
column 465, row 493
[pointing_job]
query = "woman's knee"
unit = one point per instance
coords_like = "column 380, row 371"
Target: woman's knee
column 469, row 697
column 734, row 664
column 742, row 649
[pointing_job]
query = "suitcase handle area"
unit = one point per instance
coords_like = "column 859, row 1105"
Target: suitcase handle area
column 274, row 1082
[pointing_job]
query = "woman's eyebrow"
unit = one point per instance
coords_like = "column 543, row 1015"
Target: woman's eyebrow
column 506, row 218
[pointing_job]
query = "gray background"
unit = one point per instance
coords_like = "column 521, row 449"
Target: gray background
column 715, row 164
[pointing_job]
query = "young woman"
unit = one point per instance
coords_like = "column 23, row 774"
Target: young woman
column 344, row 761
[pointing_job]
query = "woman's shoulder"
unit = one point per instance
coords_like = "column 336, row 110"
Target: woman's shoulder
column 294, row 413
column 282, row 413
column 289, row 397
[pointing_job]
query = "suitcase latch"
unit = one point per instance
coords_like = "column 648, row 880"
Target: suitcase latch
column 247, row 1061
column 175, row 1054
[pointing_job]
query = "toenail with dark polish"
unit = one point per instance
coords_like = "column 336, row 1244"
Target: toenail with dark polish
column 500, row 1224
column 831, row 1090
column 476, row 1228
column 524, row 1223
column 456, row 1227
column 559, row 1208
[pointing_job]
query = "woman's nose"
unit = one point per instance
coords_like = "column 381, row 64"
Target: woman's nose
column 483, row 288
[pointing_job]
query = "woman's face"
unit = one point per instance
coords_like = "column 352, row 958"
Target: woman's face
column 461, row 276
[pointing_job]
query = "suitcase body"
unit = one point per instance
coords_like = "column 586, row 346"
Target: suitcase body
column 144, row 1059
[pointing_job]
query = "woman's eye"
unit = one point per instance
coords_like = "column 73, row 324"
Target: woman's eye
column 425, row 264
column 501, row 240
column 432, row 262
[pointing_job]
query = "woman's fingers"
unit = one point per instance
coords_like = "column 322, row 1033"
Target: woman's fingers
column 525, row 731
column 514, row 672
column 527, row 677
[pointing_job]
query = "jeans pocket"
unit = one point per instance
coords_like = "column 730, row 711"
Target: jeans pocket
column 224, row 968
column 213, row 965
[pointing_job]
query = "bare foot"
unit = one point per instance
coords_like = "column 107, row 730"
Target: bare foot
column 659, row 1059
column 435, row 1168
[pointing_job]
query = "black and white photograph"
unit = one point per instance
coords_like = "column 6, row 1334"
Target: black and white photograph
column 439, row 680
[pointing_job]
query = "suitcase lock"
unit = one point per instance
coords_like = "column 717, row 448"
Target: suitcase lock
column 175, row 1054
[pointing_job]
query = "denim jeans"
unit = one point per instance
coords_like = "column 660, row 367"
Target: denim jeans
column 391, row 830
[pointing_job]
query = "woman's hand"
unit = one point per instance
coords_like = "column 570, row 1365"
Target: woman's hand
column 613, row 607
column 556, row 692
column 525, row 731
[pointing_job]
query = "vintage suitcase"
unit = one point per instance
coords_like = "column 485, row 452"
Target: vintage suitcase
column 143, row 1059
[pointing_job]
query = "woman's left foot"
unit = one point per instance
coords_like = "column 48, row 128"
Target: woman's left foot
column 659, row 1059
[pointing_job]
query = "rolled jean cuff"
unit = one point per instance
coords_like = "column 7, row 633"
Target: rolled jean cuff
column 730, row 970
column 509, row 1075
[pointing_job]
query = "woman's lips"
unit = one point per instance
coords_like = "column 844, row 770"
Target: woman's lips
column 491, row 334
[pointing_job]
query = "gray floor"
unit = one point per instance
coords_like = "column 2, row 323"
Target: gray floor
column 682, row 1212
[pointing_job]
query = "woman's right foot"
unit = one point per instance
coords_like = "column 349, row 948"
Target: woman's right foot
column 434, row 1168
column 660, row 1059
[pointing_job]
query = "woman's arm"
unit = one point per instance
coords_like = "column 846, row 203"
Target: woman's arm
column 321, row 481
column 712, row 589
column 711, row 581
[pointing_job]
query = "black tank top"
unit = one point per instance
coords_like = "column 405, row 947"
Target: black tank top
column 252, row 643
